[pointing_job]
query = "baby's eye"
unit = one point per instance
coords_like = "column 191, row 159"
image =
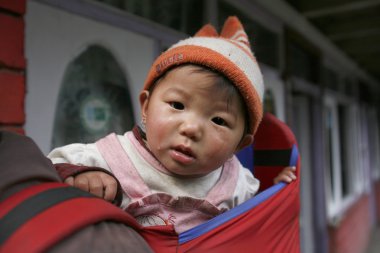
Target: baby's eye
column 177, row 105
column 219, row 121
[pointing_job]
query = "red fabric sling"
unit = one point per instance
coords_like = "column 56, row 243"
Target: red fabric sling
column 266, row 223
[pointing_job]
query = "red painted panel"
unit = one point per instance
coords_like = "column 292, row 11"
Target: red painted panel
column 12, row 95
column 12, row 41
column 16, row 6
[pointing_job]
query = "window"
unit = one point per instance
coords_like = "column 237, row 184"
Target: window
column 274, row 96
column 369, row 146
column 330, row 79
column 264, row 43
column 350, row 88
column 185, row 16
column 329, row 153
column 374, row 144
column 341, row 155
column 302, row 62
column 269, row 102
column 344, row 146
column 93, row 100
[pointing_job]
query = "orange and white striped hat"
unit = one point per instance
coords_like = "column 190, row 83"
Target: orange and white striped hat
column 228, row 53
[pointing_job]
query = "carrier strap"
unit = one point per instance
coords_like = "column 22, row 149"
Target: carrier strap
column 38, row 217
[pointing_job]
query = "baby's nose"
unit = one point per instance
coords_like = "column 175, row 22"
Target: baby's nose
column 191, row 129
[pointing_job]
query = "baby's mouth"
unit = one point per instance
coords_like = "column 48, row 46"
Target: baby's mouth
column 185, row 151
column 182, row 155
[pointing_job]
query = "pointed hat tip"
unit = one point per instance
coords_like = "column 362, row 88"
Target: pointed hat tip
column 207, row 31
column 233, row 29
column 231, row 26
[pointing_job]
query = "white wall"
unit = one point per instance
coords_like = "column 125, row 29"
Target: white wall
column 54, row 38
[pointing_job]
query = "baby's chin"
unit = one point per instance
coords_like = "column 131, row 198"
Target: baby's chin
column 182, row 173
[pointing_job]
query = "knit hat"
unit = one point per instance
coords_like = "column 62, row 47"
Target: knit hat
column 228, row 53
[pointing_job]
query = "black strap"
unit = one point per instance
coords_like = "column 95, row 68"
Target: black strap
column 278, row 157
column 36, row 204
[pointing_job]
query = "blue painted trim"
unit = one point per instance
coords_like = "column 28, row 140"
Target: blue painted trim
column 294, row 156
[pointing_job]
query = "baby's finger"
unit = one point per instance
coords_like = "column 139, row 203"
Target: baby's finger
column 110, row 189
column 69, row 181
column 293, row 176
column 286, row 178
column 96, row 186
column 81, row 183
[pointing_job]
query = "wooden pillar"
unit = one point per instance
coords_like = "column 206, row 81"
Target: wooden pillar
column 12, row 65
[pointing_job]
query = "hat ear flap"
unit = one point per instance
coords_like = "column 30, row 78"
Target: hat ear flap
column 207, row 31
column 233, row 29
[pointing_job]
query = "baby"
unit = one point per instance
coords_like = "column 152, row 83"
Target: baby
column 201, row 103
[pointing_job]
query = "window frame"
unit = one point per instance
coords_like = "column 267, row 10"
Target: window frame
column 337, row 202
column 374, row 145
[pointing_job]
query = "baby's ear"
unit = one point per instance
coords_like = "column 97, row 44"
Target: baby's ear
column 245, row 141
column 144, row 101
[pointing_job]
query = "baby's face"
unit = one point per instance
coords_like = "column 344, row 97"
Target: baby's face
column 190, row 127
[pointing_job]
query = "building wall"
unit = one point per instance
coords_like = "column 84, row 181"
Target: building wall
column 12, row 65
column 353, row 232
column 54, row 38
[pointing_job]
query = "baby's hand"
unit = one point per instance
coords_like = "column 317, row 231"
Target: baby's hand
column 287, row 175
column 96, row 182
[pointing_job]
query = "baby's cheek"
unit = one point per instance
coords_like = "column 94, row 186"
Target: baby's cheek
column 219, row 150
